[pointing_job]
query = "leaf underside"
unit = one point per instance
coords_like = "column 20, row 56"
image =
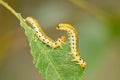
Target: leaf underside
column 52, row 65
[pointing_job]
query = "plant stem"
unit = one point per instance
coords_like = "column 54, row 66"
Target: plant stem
column 9, row 8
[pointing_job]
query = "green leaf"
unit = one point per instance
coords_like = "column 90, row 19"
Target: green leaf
column 52, row 65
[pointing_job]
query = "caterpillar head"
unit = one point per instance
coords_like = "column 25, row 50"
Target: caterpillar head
column 62, row 26
column 29, row 19
column 32, row 21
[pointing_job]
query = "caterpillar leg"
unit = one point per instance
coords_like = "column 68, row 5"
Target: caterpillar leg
column 56, row 44
column 53, row 47
column 61, row 46
column 59, row 42
column 74, row 60
column 80, row 61
column 77, row 59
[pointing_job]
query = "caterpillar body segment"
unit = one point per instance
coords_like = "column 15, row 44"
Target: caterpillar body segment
column 73, row 38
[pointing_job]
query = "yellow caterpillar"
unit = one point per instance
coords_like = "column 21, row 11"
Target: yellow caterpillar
column 42, row 36
column 73, row 37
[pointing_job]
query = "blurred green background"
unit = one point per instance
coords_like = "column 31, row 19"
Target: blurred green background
column 98, row 25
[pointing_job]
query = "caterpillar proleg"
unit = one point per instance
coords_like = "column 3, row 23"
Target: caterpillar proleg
column 73, row 37
column 42, row 36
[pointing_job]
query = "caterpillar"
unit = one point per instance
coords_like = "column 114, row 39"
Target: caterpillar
column 42, row 36
column 73, row 37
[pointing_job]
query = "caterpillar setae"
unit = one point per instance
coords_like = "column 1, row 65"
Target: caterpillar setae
column 42, row 36
column 73, row 37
